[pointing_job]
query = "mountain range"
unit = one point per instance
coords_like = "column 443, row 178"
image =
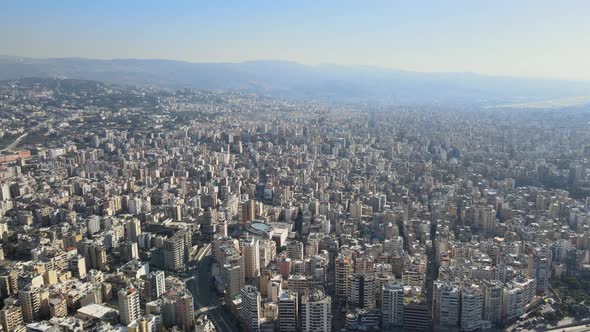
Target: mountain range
column 284, row 79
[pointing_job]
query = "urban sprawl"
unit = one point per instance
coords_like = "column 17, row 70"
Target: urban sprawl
column 143, row 210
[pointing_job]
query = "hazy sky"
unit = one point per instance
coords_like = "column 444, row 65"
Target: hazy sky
column 514, row 37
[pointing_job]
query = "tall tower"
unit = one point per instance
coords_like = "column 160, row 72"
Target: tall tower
column 361, row 290
column 11, row 319
column 316, row 312
column 251, row 257
column 156, row 285
column 174, row 252
column 233, row 278
column 343, row 270
column 250, row 311
column 446, row 304
column 288, row 311
column 133, row 229
column 128, row 305
column 295, row 249
column 30, row 301
column 541, row 269
column 492, row 300
column 471, row 308
column 393, row 305
column 178, row 309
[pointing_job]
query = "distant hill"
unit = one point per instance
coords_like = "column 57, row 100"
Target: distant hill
column 292, row 80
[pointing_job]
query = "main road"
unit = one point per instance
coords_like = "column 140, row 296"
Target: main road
column 17, row 141
column 206, row 300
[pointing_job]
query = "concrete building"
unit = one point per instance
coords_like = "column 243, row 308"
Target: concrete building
column 392, row 306
column 471, row 308
column 344, row 269
column 11, row 318
column 250, row 256
column 129, row 306
column 233, row 278
column 446, row 304
column 250, row 309
column 156, row 285
column 174, row 252
column 316, row 312
column 361, row 291
column 288, row 305
column 492, row 301
column 30, row 301
column 178, row 309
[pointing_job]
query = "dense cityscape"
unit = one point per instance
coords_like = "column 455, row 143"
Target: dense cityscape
column 142, row 210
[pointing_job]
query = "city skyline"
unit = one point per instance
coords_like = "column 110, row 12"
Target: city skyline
column 295, row 167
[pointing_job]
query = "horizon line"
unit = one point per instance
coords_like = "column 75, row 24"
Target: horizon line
column 315, row 65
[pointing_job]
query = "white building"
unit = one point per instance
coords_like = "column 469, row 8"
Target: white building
column 393, row 305
column 128, row 305
column 316, row 312
column 471, row 308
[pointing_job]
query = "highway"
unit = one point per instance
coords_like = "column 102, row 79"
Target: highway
column 17, row 141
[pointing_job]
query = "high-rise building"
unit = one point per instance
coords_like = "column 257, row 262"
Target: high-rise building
column 156, row 285
column 344, row 269
column 356, row 210
column 132, row 229
column 178, row 309
column 250, row 256
column 392, row 306
column 30, row 301
column 471, row 308
column 145, row 323
column 250, row 310
column 492, row 300
column 295, row 249
column 540, row 269
column 484, row 217
column 4, row 191
column 9, row 284
column 128, row 304
column 93, row 225
column 11, row 318
column 572, row 262
column 95, row 254
column 446, row 304
column 288, row 311
column 316, row 312
column 233, row 278
column 274, row 287
column 58, row 306
column 363, row 264
column 174, row 252
column 381, row 279
column 268, row 250
column 78, row 266
column 513, row 302
column 361, row 290
column 248, row 211
column 416, row 316
column 395, row 246
column 129, row 250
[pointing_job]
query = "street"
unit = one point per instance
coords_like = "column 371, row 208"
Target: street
column 206, row 299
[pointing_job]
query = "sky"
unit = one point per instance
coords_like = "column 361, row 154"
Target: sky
column 528, row 38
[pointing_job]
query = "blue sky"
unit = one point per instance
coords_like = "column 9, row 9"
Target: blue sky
column 532, row 38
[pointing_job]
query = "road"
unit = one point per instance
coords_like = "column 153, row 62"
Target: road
column 17, row 141
column 206, row 299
